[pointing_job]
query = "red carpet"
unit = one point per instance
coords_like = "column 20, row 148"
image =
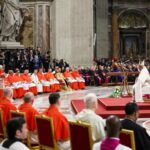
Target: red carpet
column 119, row 103
column 112, row 106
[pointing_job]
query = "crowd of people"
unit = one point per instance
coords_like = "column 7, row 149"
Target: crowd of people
column 41, row 82
column 105, row 134
column 30, row 59
column 99, row 73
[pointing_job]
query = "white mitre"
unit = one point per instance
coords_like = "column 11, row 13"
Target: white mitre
column 142, row 63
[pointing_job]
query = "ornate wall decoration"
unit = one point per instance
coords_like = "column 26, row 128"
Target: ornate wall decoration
column 26, row 33
column 132, row 20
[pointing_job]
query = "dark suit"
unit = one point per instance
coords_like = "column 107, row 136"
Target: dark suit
column 142, row 139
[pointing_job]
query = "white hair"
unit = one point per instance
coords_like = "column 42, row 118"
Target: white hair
column 90, row 99
column 8, row 92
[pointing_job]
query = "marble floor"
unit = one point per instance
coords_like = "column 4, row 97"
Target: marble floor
column 41, row 101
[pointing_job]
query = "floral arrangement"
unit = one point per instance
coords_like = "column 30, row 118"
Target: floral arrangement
column 116, row 93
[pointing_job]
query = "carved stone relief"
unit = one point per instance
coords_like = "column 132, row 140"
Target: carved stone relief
column 26, row 34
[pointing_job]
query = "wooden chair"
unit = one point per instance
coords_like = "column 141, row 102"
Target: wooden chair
column 2, row 128
column 14, row 114
column 80, row 136
column 127, row 138
column 45, row 132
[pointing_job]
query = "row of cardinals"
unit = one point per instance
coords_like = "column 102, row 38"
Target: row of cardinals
column 39, row 82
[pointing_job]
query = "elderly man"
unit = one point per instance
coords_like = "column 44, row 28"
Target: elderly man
column 29, row 110
column 77, row 76
column 111, row 142
column 142, row 139
column 70, row 79
column 28, row 84
column 30, row 113
column 6, row 104
column 88, row 115
column 54, row 83
column 15, row 82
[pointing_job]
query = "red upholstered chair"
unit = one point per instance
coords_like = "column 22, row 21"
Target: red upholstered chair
column 14, row 114
column 45, row 132
column 127, row 138
column 80, row 136
column 2, row 128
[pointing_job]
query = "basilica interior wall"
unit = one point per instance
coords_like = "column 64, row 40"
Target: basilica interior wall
column 35, row 31
column 102, row 29
column 65, row 27
column 125, row 6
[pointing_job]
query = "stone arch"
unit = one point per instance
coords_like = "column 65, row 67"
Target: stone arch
column 132, row 19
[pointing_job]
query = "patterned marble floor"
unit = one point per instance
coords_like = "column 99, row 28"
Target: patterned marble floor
column 41, row 101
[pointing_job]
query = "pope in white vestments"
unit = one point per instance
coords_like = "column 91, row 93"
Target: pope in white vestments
column 142, row 81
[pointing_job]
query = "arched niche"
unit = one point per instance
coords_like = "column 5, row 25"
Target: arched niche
column 133, row 25
column 132, row 19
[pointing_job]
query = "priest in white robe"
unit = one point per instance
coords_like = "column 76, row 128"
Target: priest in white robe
column 142, row 81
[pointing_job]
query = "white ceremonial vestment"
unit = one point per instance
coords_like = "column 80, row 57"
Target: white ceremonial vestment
column 15, row 146
column 35, row 79
column 80, row 79
column 143, row 80
column 97, row 123
column 96, row 146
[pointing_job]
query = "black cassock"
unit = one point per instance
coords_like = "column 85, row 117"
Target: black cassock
column 142, row 139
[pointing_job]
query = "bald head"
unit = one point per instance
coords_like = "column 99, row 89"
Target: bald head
column 28, row 97
column 90, row 101
column 113, row 126
column 8, row 92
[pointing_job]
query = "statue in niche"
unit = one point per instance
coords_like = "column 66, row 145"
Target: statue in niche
column 11, row 16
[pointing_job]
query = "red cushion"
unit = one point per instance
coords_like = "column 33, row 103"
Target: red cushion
column 125, row 139
column 80, row 139
column 45, row 132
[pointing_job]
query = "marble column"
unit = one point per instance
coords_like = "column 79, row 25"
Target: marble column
column 102, row 29
column 115, row 34
column 82, row 32
column 72, row 31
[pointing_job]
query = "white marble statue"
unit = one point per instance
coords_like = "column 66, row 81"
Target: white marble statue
column 11, row 20
column 142, row 81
